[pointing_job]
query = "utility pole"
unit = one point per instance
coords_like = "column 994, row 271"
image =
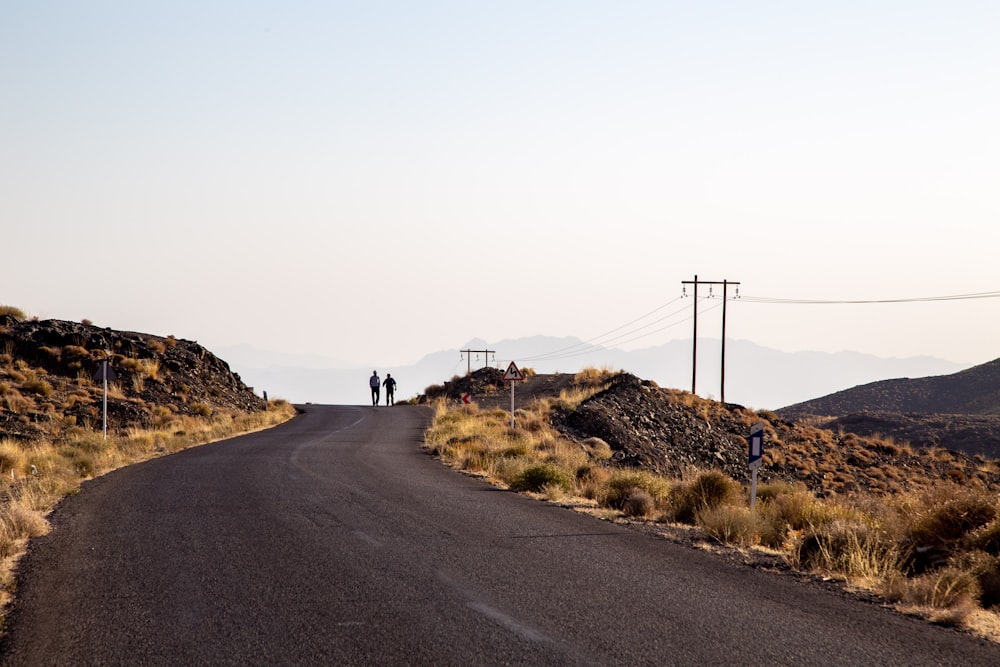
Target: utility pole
column 468, row 358
column 694, row 345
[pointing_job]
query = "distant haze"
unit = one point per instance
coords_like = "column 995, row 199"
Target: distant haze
column 756, row 376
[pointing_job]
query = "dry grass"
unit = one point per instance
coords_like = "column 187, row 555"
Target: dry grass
column 35, row 476
column 930, row 547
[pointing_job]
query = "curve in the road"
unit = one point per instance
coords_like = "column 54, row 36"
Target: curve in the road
column 335, row 539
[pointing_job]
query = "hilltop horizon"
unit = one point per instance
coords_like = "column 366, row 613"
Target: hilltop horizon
column 756, row 375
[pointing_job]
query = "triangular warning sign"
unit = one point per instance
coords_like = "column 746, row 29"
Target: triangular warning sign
column 513, row 373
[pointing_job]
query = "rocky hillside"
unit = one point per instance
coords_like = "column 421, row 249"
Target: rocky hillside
column 960, row 411
column 671, row 432
column 974, row 391
column 47, row 378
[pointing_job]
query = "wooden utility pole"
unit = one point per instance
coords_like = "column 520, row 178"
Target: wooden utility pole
column 468, row 358
column 694, row 345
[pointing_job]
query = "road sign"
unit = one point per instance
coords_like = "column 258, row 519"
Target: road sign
column 513, row 373
column 756, row 446
column 467, row 398
column 755, row 458
column 105, row 372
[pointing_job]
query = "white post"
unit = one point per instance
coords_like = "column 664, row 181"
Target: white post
column 104, row 373
column 753, row 489
column 512, row 383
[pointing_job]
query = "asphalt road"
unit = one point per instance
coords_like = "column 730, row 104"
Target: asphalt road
column 335, row 540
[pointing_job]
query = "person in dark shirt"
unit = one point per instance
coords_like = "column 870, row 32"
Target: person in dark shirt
column 390, row 389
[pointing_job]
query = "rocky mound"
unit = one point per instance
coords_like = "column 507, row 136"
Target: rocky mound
column 47, row 374
column 647, row 429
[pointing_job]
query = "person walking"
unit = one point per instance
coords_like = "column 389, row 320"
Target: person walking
column 390, row 389
column 374, row 382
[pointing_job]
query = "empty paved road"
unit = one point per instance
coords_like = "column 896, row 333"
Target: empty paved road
column 334, row 540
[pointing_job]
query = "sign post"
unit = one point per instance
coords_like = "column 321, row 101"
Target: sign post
column 105, row 373
column 512, row 375
column 755, row 458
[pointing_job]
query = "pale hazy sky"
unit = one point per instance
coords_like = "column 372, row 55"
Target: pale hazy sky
column 374, row 181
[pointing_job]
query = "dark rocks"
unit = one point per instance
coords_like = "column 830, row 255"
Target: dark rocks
column 960, row 411
column 647, row 430
column 151, row 372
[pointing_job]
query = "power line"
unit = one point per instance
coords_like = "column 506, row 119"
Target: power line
column 830, row 302
column 593, row 348
column 592, row 344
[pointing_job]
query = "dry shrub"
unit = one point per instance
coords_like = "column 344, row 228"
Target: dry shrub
column 566, row 455
column 80, row 460
column 129, row 363
column 201, row 409
column 733, row 525
column 786, row 507
column 986, row 539
column 540, row 475
column 593, row 377
column 506, row 470
column 12, row 456
column 986, row 570
column 554, row 492
column 38, row 386
column 639, row 503
column 591, row 480
column 850, row 547
column 19, row 522
column 989, row 586
column 515, row 448
column 623, row 483
column 597, row 448
column 84, row 439
column 16, row 402
column 150, row 368
column 708, row 490
column 13, row 311
column 75, row 352
column 940, row 520
column 950, row 588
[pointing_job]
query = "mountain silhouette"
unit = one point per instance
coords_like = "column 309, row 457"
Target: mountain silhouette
column 974, row 391
column 756, row 376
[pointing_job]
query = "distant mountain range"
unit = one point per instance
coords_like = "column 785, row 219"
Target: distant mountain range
column 756, row 376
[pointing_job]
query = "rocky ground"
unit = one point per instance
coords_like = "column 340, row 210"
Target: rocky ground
column 976, row 435
column 960, row 411
column 47, row 375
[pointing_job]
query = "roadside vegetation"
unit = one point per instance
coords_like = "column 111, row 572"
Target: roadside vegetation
column 37, row 472
column 35, row 476
column 930, row 548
